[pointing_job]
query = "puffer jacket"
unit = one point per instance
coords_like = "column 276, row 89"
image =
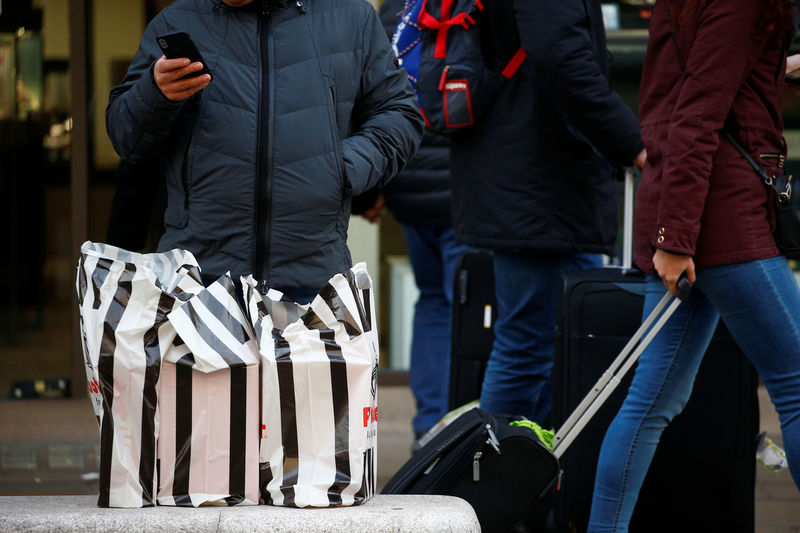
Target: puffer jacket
column 306, row 108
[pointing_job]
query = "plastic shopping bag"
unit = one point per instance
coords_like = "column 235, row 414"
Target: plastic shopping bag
column 124, row 299
column 319, row 399
column 209, row 402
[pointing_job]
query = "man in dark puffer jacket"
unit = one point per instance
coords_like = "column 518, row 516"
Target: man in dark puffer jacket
column 306, row 108
column 535, row 181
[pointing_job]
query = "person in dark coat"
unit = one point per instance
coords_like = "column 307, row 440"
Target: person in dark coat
column 703, row 211
column 419, row 198
column 536, row 181
column 137, row 209
column 307, row 107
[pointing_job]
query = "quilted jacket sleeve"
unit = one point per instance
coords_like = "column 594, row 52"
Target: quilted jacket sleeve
column 387, row 123
column 138, row 115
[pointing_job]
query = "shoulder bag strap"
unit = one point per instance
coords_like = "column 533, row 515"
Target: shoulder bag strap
column 766, row 178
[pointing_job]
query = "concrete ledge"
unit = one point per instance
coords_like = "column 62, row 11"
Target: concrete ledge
column 384, row 513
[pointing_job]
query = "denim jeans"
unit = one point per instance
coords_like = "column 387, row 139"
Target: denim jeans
column 434, row 255
column 528, row 286
column 760, row 304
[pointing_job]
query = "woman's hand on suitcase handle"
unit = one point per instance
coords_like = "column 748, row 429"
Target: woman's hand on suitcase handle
column 671, row 266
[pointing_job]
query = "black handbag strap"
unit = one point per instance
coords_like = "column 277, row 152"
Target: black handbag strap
column 766, row 178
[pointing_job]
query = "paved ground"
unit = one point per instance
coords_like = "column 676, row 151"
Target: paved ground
column 50, row 447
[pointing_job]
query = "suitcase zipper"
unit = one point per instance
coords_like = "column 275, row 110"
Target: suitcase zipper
column 444, row 466
column 476, row 459
column 433, row 458
column 453, row 464
column 492, row 439
column 476, row 466
column 432, row 466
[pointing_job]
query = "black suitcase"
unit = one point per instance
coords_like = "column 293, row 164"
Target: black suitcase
column 472, row 333
column 500, row 469
column 702, row 477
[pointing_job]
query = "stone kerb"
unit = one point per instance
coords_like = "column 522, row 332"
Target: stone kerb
column 384, row 513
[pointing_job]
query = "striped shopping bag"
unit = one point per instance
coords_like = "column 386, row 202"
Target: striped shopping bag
column 124, row 299
column 209, row 403
column 319, row 399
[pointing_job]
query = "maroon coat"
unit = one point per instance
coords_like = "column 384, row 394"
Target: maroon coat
column 698, row 196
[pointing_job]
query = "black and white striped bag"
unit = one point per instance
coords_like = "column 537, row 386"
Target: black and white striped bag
column 209, row 404
column 319, row 393
column 124, row 299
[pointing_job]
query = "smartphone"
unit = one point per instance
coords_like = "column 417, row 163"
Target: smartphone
column 178, row 45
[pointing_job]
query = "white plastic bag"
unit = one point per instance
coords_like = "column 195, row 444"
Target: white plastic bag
column 319, row 399
column 124, row 299
column 209, row 403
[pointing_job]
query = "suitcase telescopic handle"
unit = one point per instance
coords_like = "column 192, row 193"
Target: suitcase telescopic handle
column 612, row 377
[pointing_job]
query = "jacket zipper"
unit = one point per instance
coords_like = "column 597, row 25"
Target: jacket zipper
column 266, row 115
column 264, row 159
column 779, row 157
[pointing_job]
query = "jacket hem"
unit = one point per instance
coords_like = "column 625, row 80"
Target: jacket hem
column 533, row 246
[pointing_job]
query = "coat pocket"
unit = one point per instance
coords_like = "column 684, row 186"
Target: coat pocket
column 336, row 140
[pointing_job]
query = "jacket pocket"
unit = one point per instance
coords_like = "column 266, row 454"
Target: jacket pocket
column 189, row 121
column 346, row 187
column 185, row 174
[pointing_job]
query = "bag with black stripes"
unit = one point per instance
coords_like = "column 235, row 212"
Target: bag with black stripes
column 319, row 399
column 123, row 300
column 208, row 402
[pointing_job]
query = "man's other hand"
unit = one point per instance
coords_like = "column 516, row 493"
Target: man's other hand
column 373, row 214
column 168, row 74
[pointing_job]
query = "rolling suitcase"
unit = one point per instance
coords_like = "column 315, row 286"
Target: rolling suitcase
column 501, row 469
column 703, row 474
column 473, row 315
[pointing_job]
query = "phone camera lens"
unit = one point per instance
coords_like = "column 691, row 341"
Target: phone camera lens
column 163, row 43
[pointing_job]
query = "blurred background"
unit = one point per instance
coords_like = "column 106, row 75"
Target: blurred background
column 58, row 173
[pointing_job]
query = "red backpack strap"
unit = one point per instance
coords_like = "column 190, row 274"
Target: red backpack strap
column 514, row 63
column 444, row 23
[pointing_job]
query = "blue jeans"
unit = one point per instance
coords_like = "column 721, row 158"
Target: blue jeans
column 528, row 286
column 434, row 255
column 760, row 304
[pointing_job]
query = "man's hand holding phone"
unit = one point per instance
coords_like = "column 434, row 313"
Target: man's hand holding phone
column 181, row 71
column 170, row 78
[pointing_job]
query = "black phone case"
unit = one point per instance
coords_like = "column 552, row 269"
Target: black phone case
column 178, row 45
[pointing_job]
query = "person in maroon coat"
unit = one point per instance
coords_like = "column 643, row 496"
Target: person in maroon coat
column 701, row 210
